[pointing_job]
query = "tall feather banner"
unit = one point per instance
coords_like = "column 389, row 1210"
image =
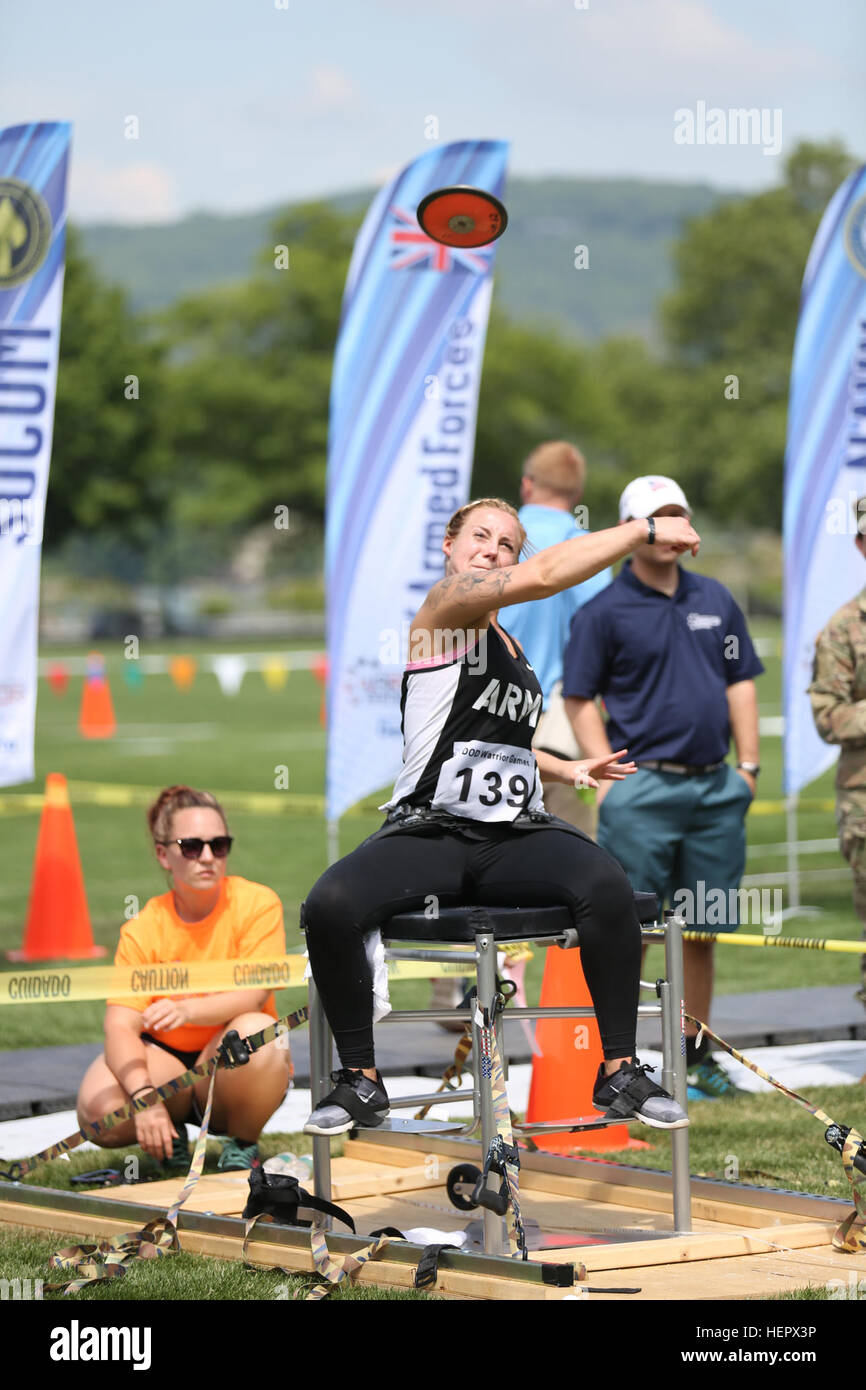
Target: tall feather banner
column 403, row 404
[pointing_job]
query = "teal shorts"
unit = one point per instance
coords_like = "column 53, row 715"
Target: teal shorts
column 682, row 838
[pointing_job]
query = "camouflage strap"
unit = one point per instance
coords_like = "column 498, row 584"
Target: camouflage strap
column 453, row 1072
column 110, row 1259
column 335, row 1271
column 502, row 1156
column 15, row 1171
column 845, row 1237
column 198, row 1157
column 511, row 1163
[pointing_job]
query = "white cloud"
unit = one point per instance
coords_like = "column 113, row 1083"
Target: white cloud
column 136, row 193
column 686, row 38
column 331, row 89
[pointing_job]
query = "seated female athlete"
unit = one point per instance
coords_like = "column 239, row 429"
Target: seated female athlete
column 466, row 819
column 206, row 915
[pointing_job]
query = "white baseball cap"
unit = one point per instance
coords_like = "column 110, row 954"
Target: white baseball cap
column 643, row 496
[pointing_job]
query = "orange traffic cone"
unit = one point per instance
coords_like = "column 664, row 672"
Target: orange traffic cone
column 96, row 717
column 58, row 922
column 320, row 669
column 564, row 1073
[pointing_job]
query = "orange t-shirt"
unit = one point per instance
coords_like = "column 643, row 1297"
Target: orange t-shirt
column 247, row 923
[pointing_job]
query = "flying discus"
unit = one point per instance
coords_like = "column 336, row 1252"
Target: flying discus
column 462, row 216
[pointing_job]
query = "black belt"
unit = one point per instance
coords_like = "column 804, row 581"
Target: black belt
column 681, row 769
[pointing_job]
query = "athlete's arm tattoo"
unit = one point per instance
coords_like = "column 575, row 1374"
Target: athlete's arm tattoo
column 473, row 592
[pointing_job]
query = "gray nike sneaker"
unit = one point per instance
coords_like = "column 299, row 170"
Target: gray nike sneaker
column 355, row 1102
column 629, row 1095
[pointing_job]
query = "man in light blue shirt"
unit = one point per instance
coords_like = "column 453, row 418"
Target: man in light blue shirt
column 551, row 489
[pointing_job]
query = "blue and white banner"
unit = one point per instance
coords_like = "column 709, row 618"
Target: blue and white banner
column 403, row 404
column 825, row 462
column 33, row 167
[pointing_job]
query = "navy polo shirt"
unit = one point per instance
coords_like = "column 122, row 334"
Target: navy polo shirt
column 662, row 665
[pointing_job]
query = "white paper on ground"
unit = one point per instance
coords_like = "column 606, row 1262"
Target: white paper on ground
column 427, row 1235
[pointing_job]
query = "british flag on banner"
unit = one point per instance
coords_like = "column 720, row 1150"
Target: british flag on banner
column 402, row 428
column 412, row 247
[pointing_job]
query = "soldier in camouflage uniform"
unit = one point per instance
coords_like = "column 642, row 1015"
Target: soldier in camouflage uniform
column 838, row 695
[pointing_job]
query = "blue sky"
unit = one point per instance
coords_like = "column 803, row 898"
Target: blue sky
column 245, row 103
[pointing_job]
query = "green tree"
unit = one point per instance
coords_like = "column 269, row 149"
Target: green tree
column 250, row 378
column 108, row 464
column 535, row 385
column 729, row 329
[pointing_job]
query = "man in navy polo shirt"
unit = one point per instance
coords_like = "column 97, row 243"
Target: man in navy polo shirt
column 670, row 655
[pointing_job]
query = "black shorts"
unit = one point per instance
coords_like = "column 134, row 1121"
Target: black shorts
column 189, row 1059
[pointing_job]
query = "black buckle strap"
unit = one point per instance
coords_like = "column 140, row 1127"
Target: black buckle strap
column 347, row 1097
column 428, row 1266
column 279, row 1195
column 498, row 1155
column 836, row 1135
column 636, row 1090
column 234, row 1051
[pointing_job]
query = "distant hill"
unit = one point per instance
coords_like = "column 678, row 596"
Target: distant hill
column 628, row 226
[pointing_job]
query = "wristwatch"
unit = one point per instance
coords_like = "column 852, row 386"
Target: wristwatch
column 752, row 768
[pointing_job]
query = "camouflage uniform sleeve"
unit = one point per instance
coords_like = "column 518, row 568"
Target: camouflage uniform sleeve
column 839, row 717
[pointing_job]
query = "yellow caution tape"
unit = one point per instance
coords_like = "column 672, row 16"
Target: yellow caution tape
column 278, row 803
column 281, row 803
column 53, row 985
column 775, row 808
column 802, row 943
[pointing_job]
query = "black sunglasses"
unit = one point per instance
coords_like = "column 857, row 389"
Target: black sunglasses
column 191, row 847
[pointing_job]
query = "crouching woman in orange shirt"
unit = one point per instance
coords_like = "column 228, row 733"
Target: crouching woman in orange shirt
column 207, row 915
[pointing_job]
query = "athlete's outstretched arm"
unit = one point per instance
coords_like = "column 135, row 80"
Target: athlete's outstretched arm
column 465, row 598
column 584, row 772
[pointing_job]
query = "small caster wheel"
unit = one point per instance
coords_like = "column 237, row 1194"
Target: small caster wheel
column 460, row 1184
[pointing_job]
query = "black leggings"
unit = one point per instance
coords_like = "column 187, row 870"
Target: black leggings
column 498, row 867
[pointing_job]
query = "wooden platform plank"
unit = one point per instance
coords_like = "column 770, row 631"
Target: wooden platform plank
column 552, row 1211
column 738, row 1277
column 450, row 1284
column 597, row 1190
column 705, row 1266
column 704, row 1245
column 352, row 1178
column 225, row 1194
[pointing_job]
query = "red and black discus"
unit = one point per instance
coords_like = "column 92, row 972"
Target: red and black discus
column 462, row 216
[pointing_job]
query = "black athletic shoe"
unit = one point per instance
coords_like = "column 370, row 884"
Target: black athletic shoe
column 630, row 1095
column 355, row 1100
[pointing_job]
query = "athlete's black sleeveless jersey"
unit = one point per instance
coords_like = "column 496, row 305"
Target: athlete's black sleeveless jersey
column 467, row 734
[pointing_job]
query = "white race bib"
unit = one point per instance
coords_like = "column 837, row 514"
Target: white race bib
column 488, row 781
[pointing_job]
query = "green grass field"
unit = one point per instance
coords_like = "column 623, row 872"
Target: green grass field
column 762, row 1141
column 237, row 744
column 234, row 746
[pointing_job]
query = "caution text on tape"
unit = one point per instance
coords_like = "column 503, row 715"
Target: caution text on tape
column 182, row 977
